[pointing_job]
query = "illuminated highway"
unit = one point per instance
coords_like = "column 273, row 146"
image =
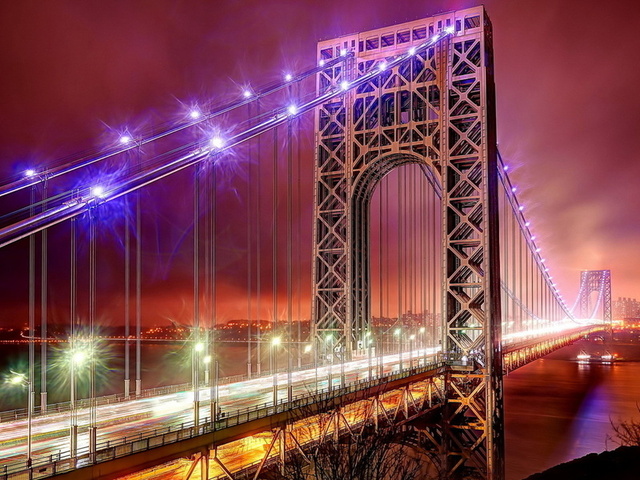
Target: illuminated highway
column 135, row 418
column 126, row 421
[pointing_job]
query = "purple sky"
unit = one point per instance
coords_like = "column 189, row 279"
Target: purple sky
column 566, row 73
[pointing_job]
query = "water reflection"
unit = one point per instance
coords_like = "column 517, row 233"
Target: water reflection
column 558, row 409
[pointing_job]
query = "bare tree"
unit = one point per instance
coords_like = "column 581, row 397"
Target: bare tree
column 627, row 432
column 382, row 454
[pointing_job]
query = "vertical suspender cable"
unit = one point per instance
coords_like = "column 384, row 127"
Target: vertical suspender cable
column 32, row 301
column 258, row 252
column 399, row 218
column 297, row 214
column 249, row 257
column 138, row 293
column 92, row 333
column 274, row 273
column 127, row 293
column 43, row 308
column 73, row 271
column 289, row 242
column 215, row 392
column 195, row 336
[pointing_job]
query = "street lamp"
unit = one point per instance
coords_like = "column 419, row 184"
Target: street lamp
column 411, row 339
column 23, row 380
column 198, row 348
column 398, row 333
column 273, row 360
column 77, row 357
column 368, row 341
column 329, row 339
column 307, row 349
column 424, row 345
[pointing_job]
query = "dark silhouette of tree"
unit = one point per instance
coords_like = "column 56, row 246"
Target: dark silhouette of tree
column 371, row 454
column 627, row 432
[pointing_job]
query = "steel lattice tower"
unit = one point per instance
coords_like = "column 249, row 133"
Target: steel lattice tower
column 598, row 281
column 436, row 110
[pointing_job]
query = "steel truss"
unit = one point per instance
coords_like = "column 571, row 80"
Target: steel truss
column 295, row 440
column 435, row 109
column 598, row 281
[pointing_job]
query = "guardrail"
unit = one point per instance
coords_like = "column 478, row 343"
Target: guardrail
column 47, row 466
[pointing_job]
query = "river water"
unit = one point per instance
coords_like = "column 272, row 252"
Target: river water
column 556, row 409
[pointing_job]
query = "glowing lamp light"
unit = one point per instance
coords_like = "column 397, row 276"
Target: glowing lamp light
column 422, row 329
column 217, row 142
column 207, row 359
column 513, row 189
column 29, row 173
column 98, row 191
column 449, row 29
column 288, row 77
column 78, row 357
column 505, row 168
column 412, row 51
column 125, row 139
column 526, row 224
column 344, row 85
column 383, row 66
column 17, row 378
column 275, row 341
column 247, row 93
column 521, row 207
column 321, row 62
column 343, row 52
column 397, row 331
column 435, row 37
column 538, row 250
column 194, row 113
column 292, row 109
column 307, row 348
column 199, row 347
column 533, row 237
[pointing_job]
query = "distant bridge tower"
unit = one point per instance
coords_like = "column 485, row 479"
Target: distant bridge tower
column 598, row 282
column 437, row 110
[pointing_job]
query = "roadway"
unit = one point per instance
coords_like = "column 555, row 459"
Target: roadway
column 141, row 417
column 137, row 418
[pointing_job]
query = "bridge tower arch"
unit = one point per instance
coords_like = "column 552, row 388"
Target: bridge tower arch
column 596, row 282
column 436, row 108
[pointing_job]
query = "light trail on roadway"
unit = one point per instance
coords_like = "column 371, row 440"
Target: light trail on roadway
column 140, row 417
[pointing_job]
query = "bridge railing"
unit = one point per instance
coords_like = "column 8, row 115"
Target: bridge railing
column 47, row 466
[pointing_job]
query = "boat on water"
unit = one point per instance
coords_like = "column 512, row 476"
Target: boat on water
column 606, row 357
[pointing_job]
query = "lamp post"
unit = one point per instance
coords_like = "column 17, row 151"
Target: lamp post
column 273, row 360
column 23, row 380
column 398, row 333
column 423, row 345
column 368, row 343
column 412, row 337
column 307, row 349
column 328, row 348
column 198, row 348
column 77, row 357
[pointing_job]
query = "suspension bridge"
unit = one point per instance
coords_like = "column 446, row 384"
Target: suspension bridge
column 427, row 283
